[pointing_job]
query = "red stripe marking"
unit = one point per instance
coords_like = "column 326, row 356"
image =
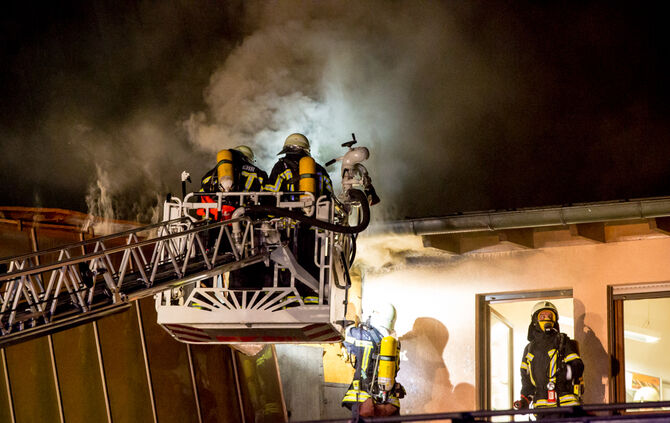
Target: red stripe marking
column 312, row 326
column 324, row 337
column 257, row 339
column 321, row 331
column 320, row 335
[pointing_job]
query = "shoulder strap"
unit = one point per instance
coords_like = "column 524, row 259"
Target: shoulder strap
column 376, row 335
column 562, row 342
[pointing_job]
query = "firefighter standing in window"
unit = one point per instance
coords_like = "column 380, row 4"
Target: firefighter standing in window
column 296, row 165
column 551, row 369
column 373, row 350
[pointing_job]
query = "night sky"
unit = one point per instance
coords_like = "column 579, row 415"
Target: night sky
column 465, row 105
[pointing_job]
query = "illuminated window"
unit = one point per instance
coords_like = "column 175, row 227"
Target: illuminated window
column 640, row 340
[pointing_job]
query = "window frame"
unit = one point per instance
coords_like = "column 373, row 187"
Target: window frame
column 483, row 339
column 616, row 295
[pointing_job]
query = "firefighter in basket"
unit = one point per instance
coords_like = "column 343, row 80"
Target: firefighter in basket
column 298, row 171
column 234, row 172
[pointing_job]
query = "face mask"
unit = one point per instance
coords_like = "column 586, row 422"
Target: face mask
column 546, row 325
column 546, row 321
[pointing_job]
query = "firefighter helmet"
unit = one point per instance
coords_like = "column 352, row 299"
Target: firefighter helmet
column 548, row 320
column 295, row 142
column 543, row 305
column 383, row 315
column 246, row 150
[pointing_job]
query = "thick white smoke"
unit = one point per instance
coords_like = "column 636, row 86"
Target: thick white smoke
column 327, row 69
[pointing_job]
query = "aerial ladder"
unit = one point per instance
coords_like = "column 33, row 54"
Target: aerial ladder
column 186, row 262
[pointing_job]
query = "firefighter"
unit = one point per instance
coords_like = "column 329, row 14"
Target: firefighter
column 373, row 350
column 242, row 175
column 285, row 177
column 285, row 174
column 234, row 172
column 551, row 369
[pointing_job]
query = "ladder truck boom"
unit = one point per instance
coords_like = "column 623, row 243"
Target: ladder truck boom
column 61, row 287
column 185, row 262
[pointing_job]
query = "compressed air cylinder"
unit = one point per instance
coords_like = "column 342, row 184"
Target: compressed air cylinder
column 307, row 170
column 224, row 169
column 388, row 354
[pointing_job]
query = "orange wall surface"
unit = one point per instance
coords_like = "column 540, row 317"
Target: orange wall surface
column 436, row 305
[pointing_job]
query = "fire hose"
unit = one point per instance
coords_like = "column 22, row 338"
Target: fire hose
column 354, row 194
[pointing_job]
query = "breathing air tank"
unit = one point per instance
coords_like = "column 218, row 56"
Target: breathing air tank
column 388, row 356
column 224, row 169
column 307, row 170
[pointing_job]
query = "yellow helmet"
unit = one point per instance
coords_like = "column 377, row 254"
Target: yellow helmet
column 246, row 150
column 295, row 141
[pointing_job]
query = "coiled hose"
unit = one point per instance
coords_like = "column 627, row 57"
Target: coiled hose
column 354, row 194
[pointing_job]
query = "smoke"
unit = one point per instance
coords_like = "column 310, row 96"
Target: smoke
column 135, row 167
column 464, row 106
column 98, row 200
column 92, row 120
column 381, row 70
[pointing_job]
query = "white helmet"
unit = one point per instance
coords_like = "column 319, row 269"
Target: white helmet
column 543, row 305
column 547, row 323
column 383, row 315
column 246, row 151
column 294, row 142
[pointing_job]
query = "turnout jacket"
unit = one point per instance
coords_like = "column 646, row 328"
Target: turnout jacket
column 544, row 362
column 285, row 176
column 246, row 176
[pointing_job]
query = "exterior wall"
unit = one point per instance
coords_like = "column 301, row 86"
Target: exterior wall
column 435, row 297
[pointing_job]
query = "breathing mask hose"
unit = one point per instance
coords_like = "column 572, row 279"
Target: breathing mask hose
column 355, row 194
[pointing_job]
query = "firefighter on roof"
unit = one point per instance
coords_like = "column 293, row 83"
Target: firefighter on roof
column 373, row 350
column 551, row 369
